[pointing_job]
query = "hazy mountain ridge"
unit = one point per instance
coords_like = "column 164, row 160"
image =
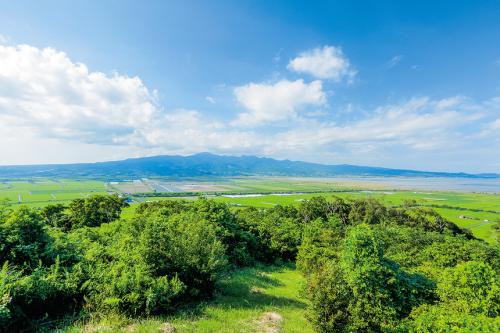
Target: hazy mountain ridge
column 206, row 164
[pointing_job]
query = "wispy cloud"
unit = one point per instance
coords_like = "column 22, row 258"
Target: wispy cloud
column 277, row 56
column 394, row 61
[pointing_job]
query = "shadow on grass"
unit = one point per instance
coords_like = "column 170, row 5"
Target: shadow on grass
column 244, row 288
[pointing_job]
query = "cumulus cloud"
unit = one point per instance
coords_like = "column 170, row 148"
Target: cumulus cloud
column 270, row 102
column 60, row 110
column 327, row 62
column 45, row 94
column 44, row 90
column 187, row 131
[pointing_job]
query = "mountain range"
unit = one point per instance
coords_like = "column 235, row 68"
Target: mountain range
column 210, row 165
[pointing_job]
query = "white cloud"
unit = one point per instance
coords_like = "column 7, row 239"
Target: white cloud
column 414, row 124
column 42, row 89
column 45, row 96
column 187, row 131
column 327, row 62
column 4, row 39
column 55, row 110
column 210, row 99
column 269, row 102
column 449, row 102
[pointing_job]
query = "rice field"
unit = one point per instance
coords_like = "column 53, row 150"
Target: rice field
column 479, row 212
column 41, row 192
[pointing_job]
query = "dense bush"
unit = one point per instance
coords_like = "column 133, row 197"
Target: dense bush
column 369, row 267
column 397, row 270
column 469, row 301
column 362, row 291
column 24, row 241
column 95, row 210
column 152, row 263
column 144, row 266
column 240, row 243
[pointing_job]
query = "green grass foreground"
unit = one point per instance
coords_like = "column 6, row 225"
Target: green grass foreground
column 244, row 300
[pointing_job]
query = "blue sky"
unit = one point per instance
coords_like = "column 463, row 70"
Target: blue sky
column 383, row 83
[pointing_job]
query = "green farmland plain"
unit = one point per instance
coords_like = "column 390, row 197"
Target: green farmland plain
column 41, row 192
column 479, row 212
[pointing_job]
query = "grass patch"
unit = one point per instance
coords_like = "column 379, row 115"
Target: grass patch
column 244, row 298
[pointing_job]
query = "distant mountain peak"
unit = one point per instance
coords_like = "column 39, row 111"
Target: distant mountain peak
column 208, row 164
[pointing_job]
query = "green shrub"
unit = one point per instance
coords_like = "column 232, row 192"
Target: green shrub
column 23, row 238
column 95, row 210
column 320, row 244
column 442, row 319
column 186, row 245
column 363, row 291
column 149, row 265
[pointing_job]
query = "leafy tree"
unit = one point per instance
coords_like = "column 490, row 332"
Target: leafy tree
column 187, row 245
column 320, row 244
column 23, row 238
column 369, row 211
column 237, row 240
column 314, row 208
column 373, row 292
column 55, row 215
column 469, row 301
column 441, row 319
column 95, row 210
column 472, row 287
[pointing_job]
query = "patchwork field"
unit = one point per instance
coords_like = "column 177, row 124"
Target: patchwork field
column 41, row 192
column 479, row 212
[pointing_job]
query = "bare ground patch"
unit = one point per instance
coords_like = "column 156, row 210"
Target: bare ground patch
column 269, row 322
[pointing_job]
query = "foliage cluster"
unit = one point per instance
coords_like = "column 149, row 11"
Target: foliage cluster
column 369, row 267
column 376, row 269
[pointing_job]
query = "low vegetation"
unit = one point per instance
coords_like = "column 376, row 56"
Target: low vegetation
column 203, row 265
